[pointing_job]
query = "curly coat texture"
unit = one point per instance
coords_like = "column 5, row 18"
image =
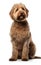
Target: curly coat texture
column 22, row 44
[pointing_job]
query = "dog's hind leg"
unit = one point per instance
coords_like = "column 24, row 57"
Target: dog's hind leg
column 32, row 50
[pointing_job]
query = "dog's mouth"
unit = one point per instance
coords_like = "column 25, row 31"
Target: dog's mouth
column 21, row 17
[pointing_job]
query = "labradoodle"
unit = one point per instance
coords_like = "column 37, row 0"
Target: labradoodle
column 22, row 44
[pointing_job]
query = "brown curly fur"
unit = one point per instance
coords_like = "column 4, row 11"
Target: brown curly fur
column 22, row 44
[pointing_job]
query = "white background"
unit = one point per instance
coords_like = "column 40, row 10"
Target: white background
column 34, row 19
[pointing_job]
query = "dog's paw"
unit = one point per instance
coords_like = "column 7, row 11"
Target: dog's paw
column 25, row 59
column 11, row 59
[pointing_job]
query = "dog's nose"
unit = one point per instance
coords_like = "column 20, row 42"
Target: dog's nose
column 22, row 13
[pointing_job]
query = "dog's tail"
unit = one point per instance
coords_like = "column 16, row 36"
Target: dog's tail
column 37, row 57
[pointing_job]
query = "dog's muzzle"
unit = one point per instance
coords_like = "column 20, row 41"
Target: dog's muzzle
column 21, row 17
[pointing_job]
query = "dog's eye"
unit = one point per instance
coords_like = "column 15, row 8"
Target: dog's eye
column 23, row 8
column 16, row 9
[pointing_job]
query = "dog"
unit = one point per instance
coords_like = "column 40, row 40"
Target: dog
column 22, row 44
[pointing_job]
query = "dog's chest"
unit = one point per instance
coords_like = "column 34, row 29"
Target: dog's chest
column 19, row 33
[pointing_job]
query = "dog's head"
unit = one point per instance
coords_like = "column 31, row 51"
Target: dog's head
column 19, row 12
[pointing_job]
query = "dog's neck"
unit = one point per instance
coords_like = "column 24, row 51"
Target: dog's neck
column 22, row 23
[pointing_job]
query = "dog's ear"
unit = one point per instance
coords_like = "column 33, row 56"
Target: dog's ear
column 11, row 13
column 27, row 11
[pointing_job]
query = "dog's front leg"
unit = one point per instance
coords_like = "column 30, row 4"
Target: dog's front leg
column 14, row 52
column 25, row 52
